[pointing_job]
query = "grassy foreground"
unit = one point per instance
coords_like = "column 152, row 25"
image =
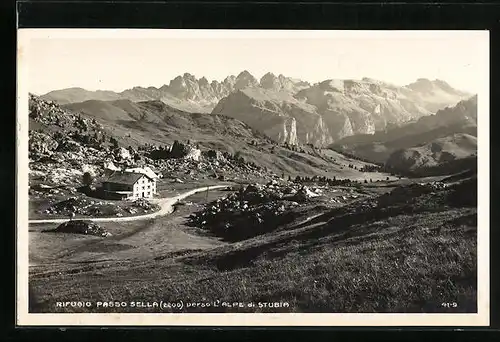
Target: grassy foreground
column 408, row 258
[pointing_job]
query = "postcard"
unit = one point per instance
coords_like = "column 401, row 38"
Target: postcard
column 252, row 178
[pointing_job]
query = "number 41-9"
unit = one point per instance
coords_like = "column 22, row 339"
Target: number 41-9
column 449, row 305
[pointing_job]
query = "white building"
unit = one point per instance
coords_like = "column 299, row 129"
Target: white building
column 129, row 185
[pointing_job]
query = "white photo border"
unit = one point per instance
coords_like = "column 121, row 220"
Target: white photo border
column 24, row 318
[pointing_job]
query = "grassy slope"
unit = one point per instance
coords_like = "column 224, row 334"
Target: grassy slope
column 155, row 123
column 404, row 258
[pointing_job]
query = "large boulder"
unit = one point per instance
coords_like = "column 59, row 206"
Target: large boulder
column 122, row 153
column 304, row 194
column 193, row 154
column 91, row 169
column 109, row 165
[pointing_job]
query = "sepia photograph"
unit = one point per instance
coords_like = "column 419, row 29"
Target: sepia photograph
column 218, row 177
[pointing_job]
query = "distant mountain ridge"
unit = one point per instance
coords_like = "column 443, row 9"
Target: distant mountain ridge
column 200, row 95
column 461, row 118
column 440, row 151
column 291, row 110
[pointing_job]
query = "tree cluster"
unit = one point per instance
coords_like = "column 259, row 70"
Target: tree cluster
column 322, row 180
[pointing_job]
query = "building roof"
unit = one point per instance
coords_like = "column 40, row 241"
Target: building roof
column 119, row 192
column 125, row 177
column 145, row 171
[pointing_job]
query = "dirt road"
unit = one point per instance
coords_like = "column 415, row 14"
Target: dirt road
column 166, row 207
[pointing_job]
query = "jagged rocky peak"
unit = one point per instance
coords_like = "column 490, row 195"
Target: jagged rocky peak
column 203, row 81
column 229, row 81
column 244, row 74
column 364, row 86
column 177, row 82
column 293, row 83
column 270, row 81
column 281, row 82
column 182, row 81
column 245, row 80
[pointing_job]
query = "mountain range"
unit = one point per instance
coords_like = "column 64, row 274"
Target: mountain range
column 183, row 92
column 291, row 110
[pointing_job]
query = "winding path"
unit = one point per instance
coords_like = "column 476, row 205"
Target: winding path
column 166, row 207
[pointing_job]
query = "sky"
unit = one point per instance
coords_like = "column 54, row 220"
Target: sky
column 118, row 62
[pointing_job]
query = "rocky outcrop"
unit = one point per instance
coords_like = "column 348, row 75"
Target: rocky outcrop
column 81, row 227
column 358, row 107
column 193, row 154
column 122, row 154
column 333, row 109
column 278, row 83
column 245, row 80
column 277, row 114
column 64, row 145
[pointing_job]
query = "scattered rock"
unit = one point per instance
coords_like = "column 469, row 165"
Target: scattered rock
column 304, row 194
column 122, row 153
column 111, row 166
column 94, row 208
column 41, row 144
column 253, row 210
column 69, row 146
column 407, row 193
column 144, row 204
column 214, row 154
